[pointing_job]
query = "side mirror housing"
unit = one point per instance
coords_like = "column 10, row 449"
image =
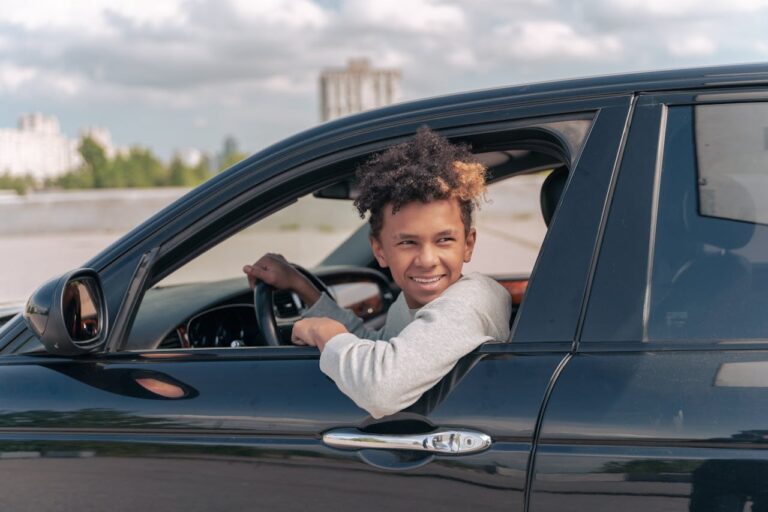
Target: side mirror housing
column 69, row 313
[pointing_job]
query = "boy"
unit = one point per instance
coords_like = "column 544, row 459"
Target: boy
column 420, row 195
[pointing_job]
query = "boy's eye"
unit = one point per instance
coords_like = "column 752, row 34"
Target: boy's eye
column 406, row 242
column 445, row 239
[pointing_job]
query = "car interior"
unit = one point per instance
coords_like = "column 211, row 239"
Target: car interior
column 221, row 313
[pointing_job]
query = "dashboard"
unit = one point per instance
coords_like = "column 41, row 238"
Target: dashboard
column 221, row 314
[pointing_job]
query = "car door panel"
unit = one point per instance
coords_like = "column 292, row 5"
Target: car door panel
column 248, row 432
column 217, row 429
column 656, row 431
column 637, row 423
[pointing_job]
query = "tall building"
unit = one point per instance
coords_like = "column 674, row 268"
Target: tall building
column 37, row 148
column 356, row 88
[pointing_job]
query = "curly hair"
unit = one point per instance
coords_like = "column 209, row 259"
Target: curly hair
column 425, row 168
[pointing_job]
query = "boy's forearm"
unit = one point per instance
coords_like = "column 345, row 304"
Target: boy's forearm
column 306, row 291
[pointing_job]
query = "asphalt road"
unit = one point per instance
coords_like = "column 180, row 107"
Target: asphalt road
column 45, row 235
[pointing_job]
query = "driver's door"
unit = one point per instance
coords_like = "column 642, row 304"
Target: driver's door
column 220, row 429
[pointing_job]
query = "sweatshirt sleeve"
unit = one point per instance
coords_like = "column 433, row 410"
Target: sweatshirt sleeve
column 384, row 377
column 327, row 307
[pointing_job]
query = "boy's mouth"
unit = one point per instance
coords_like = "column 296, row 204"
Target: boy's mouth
column 426, row 280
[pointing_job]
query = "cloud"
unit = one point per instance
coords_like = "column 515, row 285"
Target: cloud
column 296, row 14
column 247, row 62
column 12, row 76
column 87, row 16
column 422, row 16
column 677, row 8
column 694, row 45
column 553, row 39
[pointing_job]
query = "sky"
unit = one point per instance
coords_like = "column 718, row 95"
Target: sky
column 171, row 74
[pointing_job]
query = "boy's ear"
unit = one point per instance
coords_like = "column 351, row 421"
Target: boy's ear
column 469, row 244
column 378, row 252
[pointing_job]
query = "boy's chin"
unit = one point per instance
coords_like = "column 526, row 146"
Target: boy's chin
column 417, row 300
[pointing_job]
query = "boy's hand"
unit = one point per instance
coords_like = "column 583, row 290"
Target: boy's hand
column 276, row 271
column 316, row 332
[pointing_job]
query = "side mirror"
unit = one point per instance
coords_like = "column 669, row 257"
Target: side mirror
column 69, row 313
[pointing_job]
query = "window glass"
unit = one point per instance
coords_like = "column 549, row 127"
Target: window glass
column 510, row 227
column 207, row 303
column 732, row 155
column 304, row 232
column 710, row 263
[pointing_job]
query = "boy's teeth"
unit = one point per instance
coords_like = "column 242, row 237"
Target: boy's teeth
column 422, row 280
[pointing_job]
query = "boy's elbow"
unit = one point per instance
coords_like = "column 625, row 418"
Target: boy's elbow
column 381, row 404
column 378, row 411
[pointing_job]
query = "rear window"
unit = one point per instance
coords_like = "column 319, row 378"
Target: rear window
column 710, row 254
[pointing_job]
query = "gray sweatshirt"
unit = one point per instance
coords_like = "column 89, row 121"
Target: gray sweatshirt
column 387, row 370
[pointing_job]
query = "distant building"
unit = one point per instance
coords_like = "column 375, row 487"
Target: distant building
column 37, row 148
column 356, row 88
column 191, row 157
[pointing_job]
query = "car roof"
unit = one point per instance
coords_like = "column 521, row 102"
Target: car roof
column 573, row 88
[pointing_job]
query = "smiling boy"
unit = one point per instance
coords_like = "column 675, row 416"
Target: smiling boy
column 421, row 195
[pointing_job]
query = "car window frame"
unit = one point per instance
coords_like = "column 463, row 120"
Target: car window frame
column 177, row 230
column 632, row 256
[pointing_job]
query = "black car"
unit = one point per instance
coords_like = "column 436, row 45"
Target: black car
column 635, row 377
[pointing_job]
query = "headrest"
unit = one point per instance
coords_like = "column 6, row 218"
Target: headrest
column 551, row 190
column 727, row 215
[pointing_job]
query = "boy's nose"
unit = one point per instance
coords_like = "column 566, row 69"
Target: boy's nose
column 427, row 256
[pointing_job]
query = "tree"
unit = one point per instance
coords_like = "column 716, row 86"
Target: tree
column 230, row 154
column 20, row 184
column 95, row 162
column 179, row 174
column 143, row 169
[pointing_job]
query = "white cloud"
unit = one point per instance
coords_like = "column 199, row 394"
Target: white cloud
column 288, row 13
column 686, row 7
column 553, row 39
column 693, row 46
column 423, row 16
column 13, row 76
column 224, row 60
column 65, row 83
column 87, row 16
column 283, row 84
column 463, row 58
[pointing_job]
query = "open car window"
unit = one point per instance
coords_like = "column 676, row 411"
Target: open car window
column 304, row 232
column 322, row 231
column 206, row 303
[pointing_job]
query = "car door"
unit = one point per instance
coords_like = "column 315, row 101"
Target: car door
column 663, row 407
column 222, row 428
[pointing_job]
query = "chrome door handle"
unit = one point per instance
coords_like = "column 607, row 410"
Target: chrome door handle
column 454, row 442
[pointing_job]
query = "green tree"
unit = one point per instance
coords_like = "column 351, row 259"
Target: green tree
column 137, row 169
column 230, row 154
column 179, row 174
column 143, row 169
column 231, row 160
column 20, row 184
column 202, row 171
column 95, row 162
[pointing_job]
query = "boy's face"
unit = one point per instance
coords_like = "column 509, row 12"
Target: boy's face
column 425, row 246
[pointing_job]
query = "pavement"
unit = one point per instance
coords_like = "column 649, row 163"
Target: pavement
column 46, row 234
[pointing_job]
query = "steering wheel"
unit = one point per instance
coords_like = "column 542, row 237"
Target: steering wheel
column 265, row 312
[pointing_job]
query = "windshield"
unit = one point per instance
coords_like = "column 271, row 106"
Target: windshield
column 304, row 232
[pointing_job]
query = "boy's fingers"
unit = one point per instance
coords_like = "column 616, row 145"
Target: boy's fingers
column 252, row 272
